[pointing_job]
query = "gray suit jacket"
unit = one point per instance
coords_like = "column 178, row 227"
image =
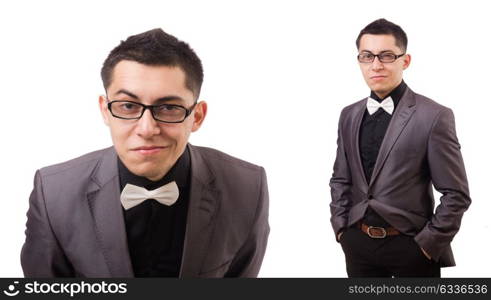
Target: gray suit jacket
column 75, row 225
column 420, row 148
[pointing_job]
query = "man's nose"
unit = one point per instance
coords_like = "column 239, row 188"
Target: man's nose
column 376, row 64
column 147, row 125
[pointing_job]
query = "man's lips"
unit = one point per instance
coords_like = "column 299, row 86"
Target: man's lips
column 148, row 149
column 378, row 77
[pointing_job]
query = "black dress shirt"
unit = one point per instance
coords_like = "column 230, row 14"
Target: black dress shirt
column 155, row 231
column 372, row 132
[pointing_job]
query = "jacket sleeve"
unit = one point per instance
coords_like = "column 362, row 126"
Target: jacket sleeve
column 41, row 254
column 248, row 260
column 449, row 178
column 340, row 184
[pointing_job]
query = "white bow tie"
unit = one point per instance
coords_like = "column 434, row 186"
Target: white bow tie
column 373, row 105
column 133, row 195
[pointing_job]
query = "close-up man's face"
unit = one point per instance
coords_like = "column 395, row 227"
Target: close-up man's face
column 147, row 147
column 381, row 77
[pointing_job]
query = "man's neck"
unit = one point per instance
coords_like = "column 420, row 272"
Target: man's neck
column 383, row 95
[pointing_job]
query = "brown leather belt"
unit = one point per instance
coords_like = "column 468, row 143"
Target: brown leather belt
column 378, row 232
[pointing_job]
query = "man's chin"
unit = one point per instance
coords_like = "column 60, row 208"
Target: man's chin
column 380, row 90
column 152, row 174
column 151, row 168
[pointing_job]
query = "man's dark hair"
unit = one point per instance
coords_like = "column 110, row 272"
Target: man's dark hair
column 156, row 48
column 382, row 26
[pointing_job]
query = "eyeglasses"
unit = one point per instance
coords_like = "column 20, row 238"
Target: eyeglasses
column 386, row 57
column 167, row 113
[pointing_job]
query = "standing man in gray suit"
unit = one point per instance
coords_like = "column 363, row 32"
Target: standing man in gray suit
column 392, row 148
column 152, row 205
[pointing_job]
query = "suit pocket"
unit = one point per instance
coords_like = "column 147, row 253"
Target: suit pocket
column 343, row 236
column 416, row 249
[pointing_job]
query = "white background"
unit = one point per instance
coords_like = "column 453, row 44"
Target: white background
column 277, row 74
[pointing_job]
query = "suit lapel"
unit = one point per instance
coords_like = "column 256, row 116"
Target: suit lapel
column 203, row 202
column 103, row 198
column 402, row 114
column 356, row 139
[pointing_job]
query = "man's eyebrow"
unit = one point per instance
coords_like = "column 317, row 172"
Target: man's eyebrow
column 386, row 51
column 158, row 100
column 168, row 98
column 128, row 93
column 383, row 51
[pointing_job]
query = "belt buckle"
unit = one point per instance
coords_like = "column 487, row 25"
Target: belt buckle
column 376, row 236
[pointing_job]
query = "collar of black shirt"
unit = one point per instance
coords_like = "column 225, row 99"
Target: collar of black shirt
column 178, row 173
column 396, row 94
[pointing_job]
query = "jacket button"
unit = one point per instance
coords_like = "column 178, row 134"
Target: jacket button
column 370, row 196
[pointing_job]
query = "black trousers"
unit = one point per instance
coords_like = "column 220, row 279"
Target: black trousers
column 393, row 256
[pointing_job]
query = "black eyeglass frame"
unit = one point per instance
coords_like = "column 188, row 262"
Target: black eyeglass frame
column 378, row 56
column 150, row 107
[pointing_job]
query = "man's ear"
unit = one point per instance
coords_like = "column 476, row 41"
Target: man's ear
column 103, row 109
column 407, row 61
column 199, row 115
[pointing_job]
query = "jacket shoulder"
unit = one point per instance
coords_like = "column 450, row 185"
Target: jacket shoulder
column 81, row 162
column 216, row 157
column 428, row 104
column 349, row 113
column 353, row 106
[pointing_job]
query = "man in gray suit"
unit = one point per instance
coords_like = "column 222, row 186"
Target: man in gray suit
column 152, row 205
column 392, row 147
